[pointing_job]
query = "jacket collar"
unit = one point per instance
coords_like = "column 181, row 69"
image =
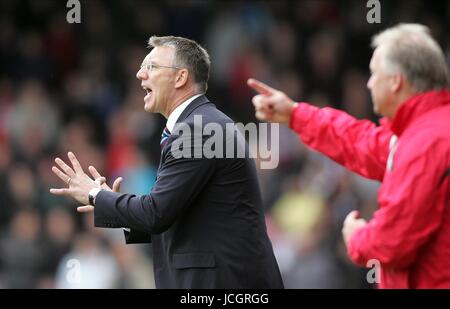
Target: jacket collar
column 178, row 111
column 415, row 107
column 192, row 106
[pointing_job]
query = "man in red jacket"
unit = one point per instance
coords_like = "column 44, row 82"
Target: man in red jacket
column 409, row 235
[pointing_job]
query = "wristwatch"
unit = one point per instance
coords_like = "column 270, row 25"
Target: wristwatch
column 92, row 195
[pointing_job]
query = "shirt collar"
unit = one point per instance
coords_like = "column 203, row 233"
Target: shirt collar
column 173, row 117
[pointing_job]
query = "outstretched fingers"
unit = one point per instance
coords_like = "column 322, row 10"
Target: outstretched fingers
column 75, row 163
column 87, row 208
column 62, row 191
column 101, row 180
column 67, row 169
column 95, row 174
column 116, row 184
column 65, row 178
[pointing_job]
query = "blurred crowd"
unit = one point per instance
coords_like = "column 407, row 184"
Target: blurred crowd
column 73, row 87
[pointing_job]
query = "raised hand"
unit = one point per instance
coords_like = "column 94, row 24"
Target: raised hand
column 271, row 104
column 79, row 184
column 102, row 181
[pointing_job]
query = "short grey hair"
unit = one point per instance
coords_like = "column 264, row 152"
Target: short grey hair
column 188, row 54
column 411, row 50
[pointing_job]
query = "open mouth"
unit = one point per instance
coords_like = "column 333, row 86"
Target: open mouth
column 148, row 91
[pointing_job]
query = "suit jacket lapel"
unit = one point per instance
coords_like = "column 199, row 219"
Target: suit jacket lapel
column 201, row 100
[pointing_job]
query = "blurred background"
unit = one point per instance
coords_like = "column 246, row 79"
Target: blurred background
column 73, row 87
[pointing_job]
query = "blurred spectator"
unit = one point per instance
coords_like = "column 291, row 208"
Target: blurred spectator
column 21, row 254
column 33, row 121
column 60, row 230
column 22, row 186
column 5, row 194
column 135, row 270
column 88, row 266
column 355, row 96
column 61, row 46
column 34, row 61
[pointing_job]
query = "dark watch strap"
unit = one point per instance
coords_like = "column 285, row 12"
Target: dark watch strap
column 91, row 199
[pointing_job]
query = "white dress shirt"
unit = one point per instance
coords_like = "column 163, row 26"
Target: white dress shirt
column 173, row 117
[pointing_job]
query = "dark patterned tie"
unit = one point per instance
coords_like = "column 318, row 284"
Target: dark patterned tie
column 164, row 137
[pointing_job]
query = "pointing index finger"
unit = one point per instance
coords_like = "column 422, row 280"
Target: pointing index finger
column 260, row 87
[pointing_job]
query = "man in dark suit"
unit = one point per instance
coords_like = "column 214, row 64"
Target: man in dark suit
column 204, row 215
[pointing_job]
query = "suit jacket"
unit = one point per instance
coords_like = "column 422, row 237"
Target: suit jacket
column 204, row 216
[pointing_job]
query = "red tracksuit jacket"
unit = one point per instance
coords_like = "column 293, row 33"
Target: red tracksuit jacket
column 410, row 232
